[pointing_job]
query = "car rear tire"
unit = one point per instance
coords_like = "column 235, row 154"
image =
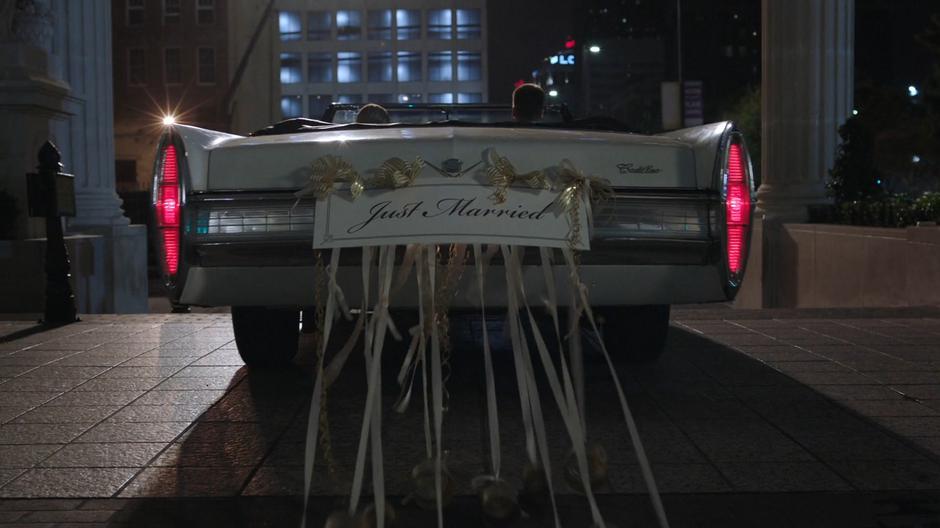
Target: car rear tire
column 635, row 334
column 266, row 337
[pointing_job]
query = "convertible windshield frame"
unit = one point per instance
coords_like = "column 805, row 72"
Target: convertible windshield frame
column 566, row 121
column 556, row 113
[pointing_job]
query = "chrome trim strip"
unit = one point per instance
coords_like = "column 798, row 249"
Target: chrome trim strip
column 632, row 251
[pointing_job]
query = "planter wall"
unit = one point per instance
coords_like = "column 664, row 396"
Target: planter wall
column 820, row 265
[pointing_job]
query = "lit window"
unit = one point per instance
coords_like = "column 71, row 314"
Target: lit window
column 348, row 25
column 439, row 23
column 381, row 98
column 290, row 68
column 318, row 105
column 136, row 67
column 409, row 98
column 289, row 25
column 380, row 24
column 171, row 11
column 205, row 11
column 409, row 66
column 349, row 98
column 469, row 66
column 206, row 65
column 380, row 66
column 349, row 67
column 172, row 67
column 445, row 98
column 408, row 22
column 464, row 97
column 135, row 12
column 319, row 67
column 319, row 25
column 291, row 106
column 468, row 23
column 440, row 66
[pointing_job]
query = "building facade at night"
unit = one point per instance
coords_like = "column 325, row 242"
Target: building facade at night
column 626, row 50
column 379, row 51
column 170, row 58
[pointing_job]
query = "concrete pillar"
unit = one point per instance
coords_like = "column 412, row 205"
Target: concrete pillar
column 30, row 99
column 82, row 57
column 55, row 83
column 807, row 90
column 807, row 93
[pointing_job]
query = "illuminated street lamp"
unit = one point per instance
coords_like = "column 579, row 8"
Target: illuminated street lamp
column 595, row 49
column 553, row 93
column 169, row 120
column 913, row 91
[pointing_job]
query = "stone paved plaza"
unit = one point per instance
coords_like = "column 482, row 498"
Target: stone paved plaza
column 751, row 418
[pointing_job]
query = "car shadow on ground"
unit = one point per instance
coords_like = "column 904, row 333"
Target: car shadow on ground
column 732, row 442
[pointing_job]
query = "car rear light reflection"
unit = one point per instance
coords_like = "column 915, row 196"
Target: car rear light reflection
column 167, row 204
column 737, row 209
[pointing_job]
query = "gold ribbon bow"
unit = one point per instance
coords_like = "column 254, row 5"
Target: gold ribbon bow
column 575, row 183
column 502, row 175
column 327, row 172
column 396, row 173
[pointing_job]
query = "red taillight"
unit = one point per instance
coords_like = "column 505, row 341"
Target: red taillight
column 171, row 249
column 167, row 204
column 737, row 208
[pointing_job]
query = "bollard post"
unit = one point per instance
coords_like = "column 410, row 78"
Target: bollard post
column 60, row 301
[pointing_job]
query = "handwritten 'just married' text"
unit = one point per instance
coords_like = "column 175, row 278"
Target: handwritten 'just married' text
column 446, row 207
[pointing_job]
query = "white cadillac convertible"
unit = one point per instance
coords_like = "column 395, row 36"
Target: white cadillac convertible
column 674, row 226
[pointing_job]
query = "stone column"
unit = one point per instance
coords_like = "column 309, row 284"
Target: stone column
column 82, row 57
column 29, row 99
column 807, row 93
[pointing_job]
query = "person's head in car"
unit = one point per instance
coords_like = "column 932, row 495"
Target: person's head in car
column 527, row 102
column 372, row 113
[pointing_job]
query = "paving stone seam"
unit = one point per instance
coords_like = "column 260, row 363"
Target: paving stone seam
column 838, row 362
column 38, row 463
column 930, row 455
column 765, row 418
column 787, row 435
column 175, row 439
column 685, row 433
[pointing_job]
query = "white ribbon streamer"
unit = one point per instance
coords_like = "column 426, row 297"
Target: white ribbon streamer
column 628, row 416
column 526, row 377
column 371, row 419
column 313, row 418
column 564, row 399
column 336, row 365
column 492, row 411
column 437, row 391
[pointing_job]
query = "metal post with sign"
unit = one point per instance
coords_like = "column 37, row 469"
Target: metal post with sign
column 693, row 105
column 51, row 194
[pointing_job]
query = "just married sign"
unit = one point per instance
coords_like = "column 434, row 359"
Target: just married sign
column 443, row 212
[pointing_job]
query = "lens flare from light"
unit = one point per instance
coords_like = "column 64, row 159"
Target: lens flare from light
column 169, row 120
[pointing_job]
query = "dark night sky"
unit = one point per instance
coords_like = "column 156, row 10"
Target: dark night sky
column 885, row 49
column 522, row 33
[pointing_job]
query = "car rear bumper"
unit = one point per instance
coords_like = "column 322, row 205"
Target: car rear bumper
column 608, row 285
column 647, row 248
